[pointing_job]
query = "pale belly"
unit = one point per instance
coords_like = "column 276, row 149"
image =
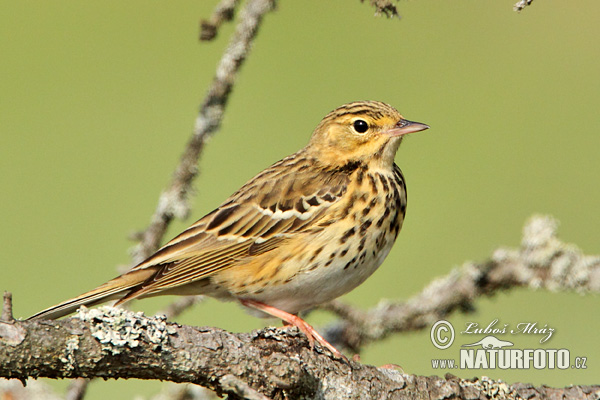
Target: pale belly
column 310, row 288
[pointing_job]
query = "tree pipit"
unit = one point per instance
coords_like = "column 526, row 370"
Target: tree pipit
column 304, row 231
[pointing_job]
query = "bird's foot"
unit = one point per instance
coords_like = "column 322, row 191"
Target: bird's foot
column 291, row 319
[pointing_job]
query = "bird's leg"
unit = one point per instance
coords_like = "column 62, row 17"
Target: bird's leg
column 295, row 320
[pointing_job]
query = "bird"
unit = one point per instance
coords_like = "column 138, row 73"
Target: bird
column 304, row 231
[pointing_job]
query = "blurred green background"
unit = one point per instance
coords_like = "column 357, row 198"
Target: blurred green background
column 99, row 98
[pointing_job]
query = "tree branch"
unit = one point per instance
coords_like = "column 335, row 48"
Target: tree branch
column 387, row 8
column 384, row 7
column 270, row 363
column 521, row 4
column 77, row 389
column 542, row 261
column 173, row 200
column 7, row 313
column 222, row 13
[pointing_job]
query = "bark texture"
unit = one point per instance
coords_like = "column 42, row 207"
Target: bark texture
column 265, row 364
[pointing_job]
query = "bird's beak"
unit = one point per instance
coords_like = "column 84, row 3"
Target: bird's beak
column 404, row 127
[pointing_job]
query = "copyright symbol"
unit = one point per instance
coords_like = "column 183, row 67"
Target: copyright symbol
column 442, row 334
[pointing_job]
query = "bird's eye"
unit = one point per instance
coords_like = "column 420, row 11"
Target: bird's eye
column 360, row 126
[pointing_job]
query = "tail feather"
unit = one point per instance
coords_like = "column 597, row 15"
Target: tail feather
column 111, row 290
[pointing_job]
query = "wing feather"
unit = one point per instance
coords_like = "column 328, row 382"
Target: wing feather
column 277, row 204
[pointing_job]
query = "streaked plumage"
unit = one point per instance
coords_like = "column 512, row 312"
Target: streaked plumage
column 306, row 230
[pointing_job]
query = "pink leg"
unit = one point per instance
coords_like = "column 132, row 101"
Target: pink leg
column 295, row 320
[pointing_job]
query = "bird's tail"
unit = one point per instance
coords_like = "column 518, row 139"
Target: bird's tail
column 111, row 290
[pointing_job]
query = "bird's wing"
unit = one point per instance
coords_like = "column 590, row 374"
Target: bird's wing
column 289, row 197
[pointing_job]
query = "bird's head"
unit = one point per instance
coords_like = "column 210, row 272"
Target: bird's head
column 364, row 131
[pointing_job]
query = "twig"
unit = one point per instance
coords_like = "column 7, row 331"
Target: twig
column 77, row 389
column 521, row 4
column 542, row 261
column 222, row 13
column 384, row 7
column 232, row 384
column 174, row 391
column 7, row 313
column 173, row 200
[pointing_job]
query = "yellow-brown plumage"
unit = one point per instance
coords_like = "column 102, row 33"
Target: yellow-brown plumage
column 304, row 231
